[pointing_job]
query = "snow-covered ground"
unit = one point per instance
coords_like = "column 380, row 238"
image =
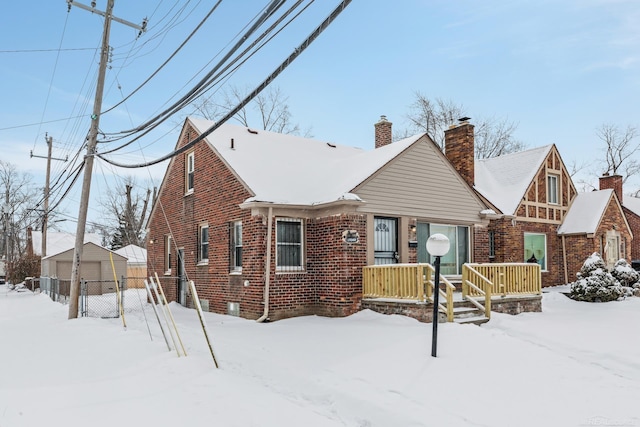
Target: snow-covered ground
column 575, row 364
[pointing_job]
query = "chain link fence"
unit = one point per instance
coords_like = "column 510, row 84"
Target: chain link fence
column 99, row 298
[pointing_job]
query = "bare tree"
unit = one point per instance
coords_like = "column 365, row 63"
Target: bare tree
column 619, row 149
column 493, row 137
column 18, row 207
column 127, row 211
column 269, row 109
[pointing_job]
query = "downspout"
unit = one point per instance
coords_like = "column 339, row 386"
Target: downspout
column 267, row 268
column 564, row 260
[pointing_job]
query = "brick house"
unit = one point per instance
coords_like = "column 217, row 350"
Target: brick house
column 539, row 215
column 273, row 226
column 630, row 207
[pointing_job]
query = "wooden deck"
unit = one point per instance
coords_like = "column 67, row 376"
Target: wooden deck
column 408, row 289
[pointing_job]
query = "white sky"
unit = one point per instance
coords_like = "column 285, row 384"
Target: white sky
column 574, row 364
column 557, row 68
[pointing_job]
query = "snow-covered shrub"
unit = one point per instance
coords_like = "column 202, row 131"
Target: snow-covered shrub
column 625, row 274
column 595, row 283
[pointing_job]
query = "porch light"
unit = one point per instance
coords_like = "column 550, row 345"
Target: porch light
column 437, row 246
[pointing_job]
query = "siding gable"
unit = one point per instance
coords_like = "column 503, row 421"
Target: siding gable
column 421, row 183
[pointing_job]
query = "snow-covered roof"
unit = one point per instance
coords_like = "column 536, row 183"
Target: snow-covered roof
column 632, row 203
column 585, row 212
column 135, row 254
column 503, row 180
column 58, row 241
column 287, row 169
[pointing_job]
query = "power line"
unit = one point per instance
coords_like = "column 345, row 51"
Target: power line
column 70, row 49
column 168, row 59
column 297, row 51
column 223, row 74
column 272, row 7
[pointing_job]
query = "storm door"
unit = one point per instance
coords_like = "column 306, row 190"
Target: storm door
column 385, row 240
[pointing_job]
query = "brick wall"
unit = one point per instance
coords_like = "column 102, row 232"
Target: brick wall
column 634, row 223
column 509, row 246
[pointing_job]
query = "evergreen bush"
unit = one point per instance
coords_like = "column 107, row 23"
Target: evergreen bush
column 595, row 283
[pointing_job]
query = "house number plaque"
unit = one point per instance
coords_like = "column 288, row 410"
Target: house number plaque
column 350, row 236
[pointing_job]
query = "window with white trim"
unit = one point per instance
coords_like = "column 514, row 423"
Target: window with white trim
column 535, row 249
column 167, row 253
column 289, row 244
column 236, row 246
column 203, row 243
column 189, row 170
column 552, row 188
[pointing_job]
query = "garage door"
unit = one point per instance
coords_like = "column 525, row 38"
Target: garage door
column 88, row 270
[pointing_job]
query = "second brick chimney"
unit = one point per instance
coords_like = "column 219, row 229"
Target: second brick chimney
column 459, row 149
column 612, row 181
column 383, row 132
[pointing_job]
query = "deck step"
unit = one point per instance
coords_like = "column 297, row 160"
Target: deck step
column 465, row 311
column 474, row 320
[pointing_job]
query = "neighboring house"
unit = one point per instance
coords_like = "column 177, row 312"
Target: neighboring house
column 631, row 208
column 58, row 241
column 136, row 265
column 98, row 265
column 273, row 226
column 595, row 223
column 540, row 217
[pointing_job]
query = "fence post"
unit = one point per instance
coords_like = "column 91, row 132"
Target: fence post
column 84, row 299
column 123, row 286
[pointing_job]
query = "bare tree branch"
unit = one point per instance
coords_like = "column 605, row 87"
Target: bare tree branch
column 269, row 108
column 619, row 148
column 493, row 137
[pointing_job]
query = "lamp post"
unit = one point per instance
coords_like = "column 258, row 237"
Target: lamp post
column 437, row 246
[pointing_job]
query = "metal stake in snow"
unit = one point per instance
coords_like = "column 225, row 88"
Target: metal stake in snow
column 173, row 321
column 196, row 303
column 164, row 313
column 155, row 310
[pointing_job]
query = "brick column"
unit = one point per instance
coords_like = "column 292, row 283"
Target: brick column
column 612, row 181
column 383, row 132
column 459, row 149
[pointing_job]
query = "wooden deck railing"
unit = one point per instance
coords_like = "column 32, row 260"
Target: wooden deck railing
column 475, row 284
column 406, row 282
column 507, row 278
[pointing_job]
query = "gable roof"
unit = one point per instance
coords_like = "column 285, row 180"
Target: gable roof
column 632, row 203
column 134, row 254
column 503, row 180
column 586, row 212
column 287, row 169
column 58, row 241
column 85, row 245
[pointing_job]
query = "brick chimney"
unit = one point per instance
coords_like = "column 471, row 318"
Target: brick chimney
column 383, row 132
column 612, row 181
column 459, row 148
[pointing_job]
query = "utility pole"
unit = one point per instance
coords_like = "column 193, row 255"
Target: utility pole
column 6, row 231
column 45, row 213
column 92, row 140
